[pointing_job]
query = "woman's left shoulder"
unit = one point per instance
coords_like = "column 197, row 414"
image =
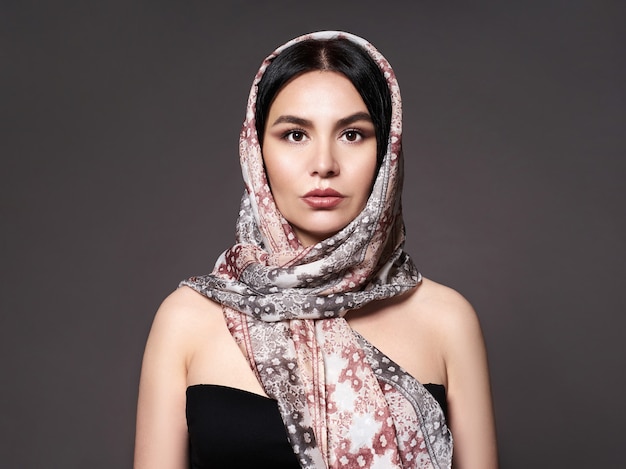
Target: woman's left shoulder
column 447, row 311
column 436, row 295
column 461, row 345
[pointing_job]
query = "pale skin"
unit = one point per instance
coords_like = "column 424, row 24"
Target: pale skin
column 431, row 331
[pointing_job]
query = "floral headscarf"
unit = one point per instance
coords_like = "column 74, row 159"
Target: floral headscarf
column 344, row 403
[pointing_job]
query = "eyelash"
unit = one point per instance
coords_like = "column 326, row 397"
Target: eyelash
column 289, row 134
column 359, row 134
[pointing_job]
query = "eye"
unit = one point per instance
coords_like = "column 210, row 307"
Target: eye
column 295, row 136
column 352, row 135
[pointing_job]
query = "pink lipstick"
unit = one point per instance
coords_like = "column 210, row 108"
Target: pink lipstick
column 323, row 198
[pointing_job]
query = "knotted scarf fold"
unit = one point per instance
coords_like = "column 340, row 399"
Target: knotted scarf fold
column 343, row 402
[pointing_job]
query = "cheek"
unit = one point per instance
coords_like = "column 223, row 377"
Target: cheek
column 368, row 181
column 277, row 173
column 367, row 174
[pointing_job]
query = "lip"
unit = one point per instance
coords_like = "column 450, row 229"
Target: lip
column 323, row 198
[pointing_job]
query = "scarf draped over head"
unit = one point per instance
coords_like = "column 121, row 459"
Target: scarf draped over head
column 343, row 402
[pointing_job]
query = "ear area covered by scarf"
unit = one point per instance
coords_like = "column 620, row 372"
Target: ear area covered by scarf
column 284, row 305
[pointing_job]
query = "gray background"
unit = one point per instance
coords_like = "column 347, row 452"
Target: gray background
column 119, row 177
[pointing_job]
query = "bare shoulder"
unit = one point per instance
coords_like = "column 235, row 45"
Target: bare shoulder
column 452, row 324
column 453, row 319
column 184, row 307
column 178, row 326
column 182, row 314
column 444, row 308
column 440, row 299
column 187, row 301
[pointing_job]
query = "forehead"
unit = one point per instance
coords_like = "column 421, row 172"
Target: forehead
column 318, row 91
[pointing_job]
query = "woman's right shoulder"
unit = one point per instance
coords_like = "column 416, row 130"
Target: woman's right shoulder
column 185, row 303
column 181, row 324
column 183, row 315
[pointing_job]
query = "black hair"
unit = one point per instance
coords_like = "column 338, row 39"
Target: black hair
column 336, row 55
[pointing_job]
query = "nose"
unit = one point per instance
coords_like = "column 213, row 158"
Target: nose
column 324, row 161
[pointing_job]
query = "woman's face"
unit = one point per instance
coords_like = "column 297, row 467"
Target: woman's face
column 319, row 150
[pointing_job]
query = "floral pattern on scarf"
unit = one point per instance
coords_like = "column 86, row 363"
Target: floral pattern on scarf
column 343, row 402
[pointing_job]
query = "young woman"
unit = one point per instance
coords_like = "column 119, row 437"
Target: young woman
column 308, row 344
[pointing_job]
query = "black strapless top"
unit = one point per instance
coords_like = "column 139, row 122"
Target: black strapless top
column 232, row 428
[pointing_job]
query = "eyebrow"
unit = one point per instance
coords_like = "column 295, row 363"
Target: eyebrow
column 351, row 119
column 358, row 116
